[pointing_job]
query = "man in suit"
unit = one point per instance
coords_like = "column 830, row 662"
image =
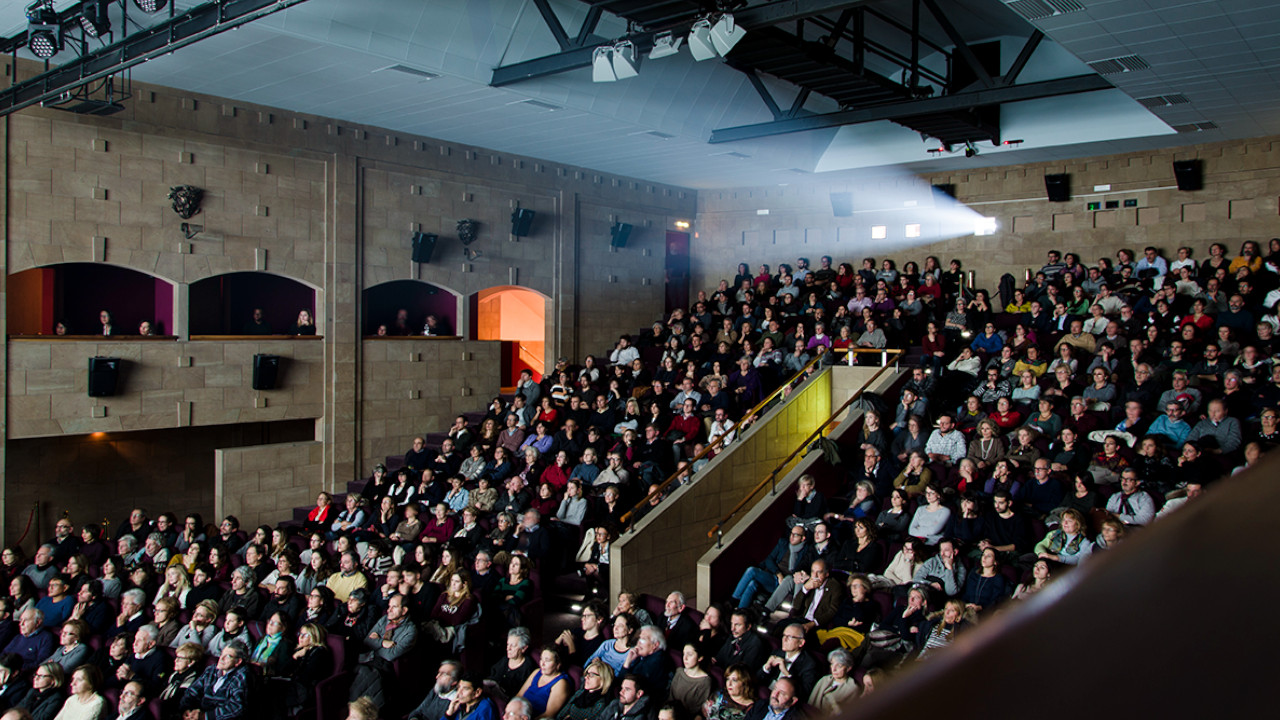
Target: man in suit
column 784, row 703
column 792, row 663
column 680, row 629
column 817, row 600
column 744, row 644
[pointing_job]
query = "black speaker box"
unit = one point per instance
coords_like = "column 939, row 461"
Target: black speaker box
column 1189, row 174
column 104, row 373
column 948, row 189
column 619, row 234
column 265, row 370
column 521, row 221
column 424, row 244
column 842, row 204
column 1058, row 187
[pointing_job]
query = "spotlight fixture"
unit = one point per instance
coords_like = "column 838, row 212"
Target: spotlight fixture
column 725, row 34
column 970, row 150
column 602, row 64
column 151, row 7
column 93, row 18
column 665, row 45
column 1011, row 142
column 44, row 32
column 624, row 60
column 700, row 45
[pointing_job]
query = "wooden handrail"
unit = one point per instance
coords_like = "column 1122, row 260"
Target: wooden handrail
column 773, row 474
column 718, row 442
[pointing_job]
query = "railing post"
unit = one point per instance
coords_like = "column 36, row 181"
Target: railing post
column 884, row 358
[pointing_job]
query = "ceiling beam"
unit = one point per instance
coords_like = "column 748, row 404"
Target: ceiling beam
column 771, row 13
column 198, row 23
column 1020, row 62
column 893, row 111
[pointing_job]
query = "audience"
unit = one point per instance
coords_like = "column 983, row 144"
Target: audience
column 1024, row 443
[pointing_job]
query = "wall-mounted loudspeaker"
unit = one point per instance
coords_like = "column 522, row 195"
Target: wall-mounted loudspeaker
column 619, row 234
column 1189, row 174
column 424, row 244
column 842, row 204
column 521, row 221
column 104, row 373
column 1058, row 187
column 265, row 370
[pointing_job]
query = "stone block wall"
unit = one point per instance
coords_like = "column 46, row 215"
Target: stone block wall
column 261, row 485
column 320, row 201
column 162, row 384
column 1238, row 203
column 414, row 386
column 103, row 476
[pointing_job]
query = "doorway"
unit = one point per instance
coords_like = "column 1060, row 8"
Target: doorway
column 516, row 317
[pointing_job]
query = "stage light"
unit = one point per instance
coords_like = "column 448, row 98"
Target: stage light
column 151, row 7
column 912, row 230
column 700, row 45
column 44, row 32
column 984, row 226
column 879, row 232
column 725, row 34
column 665, row 45
column 93, row 18
column 970, row 150
column 602, row 65
column 624, row 60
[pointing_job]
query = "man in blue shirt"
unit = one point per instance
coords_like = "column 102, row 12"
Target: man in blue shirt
column 57, row 606
column 470, row 702
column 33, row 643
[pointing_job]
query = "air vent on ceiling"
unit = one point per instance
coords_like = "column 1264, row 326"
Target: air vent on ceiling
column 800, row 171
column 409, row 71
column 538, row 104
column 660, row 135
column 1041, row 9
column 1159, row 101
column 1195, row 127
column 1113, row 66
column 732, row 154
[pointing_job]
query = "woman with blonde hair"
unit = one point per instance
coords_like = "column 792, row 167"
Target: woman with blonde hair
column 593, row 697
column 945, row 625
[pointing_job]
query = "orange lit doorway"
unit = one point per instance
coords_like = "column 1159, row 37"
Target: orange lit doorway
column 517, row 317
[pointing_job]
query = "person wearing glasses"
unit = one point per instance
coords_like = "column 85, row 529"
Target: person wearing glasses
column 64, row 542
column 45, row 697
column 791, row 662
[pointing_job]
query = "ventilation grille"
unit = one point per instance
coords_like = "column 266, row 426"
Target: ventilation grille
column 410, row 71
column 538, row 104
column 1114, row 66
column 660, row 135
column 732, row 154
column 1041, row 9
column 1160, row 101
column 1195, row 127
